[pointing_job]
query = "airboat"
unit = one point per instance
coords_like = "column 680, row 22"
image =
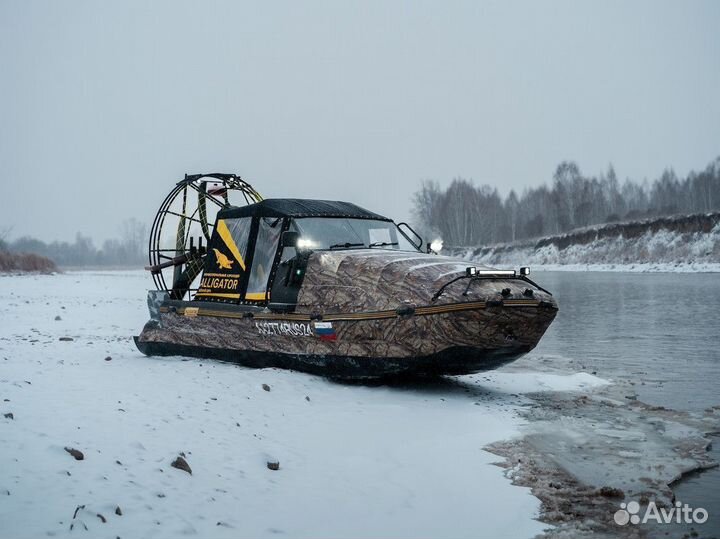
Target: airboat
column 325, row 287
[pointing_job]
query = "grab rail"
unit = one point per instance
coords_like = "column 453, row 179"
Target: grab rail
column 475, row 274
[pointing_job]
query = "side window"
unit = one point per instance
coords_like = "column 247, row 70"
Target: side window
column 225, row 260
column 268, row 237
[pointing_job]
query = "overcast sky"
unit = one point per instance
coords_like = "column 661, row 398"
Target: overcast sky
column 104, row 105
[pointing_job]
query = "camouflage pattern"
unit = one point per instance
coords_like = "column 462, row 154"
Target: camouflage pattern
column 355, row 295
column 372, row 280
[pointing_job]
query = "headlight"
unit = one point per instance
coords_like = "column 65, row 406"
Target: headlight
column 304, row 243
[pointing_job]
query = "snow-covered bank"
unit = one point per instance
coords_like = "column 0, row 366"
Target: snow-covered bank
column 679, row 244
column 355, row 461
column 629, row 268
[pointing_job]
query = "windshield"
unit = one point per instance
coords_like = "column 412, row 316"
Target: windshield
column 341, row 233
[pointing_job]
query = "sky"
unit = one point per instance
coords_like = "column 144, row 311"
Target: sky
column 105, row 105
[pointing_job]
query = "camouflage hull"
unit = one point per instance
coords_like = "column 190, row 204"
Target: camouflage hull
column 365, row 314
column 455, row 360
column 450, row 339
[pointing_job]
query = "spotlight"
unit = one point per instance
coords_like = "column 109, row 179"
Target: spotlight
column 436, row 246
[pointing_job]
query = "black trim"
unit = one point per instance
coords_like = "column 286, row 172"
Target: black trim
column 419, row 245
column 276, row 261
column 252, row 241
column 298, row 207
column 453, row 360
column 490, row 277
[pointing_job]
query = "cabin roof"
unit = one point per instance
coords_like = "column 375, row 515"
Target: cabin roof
column 297, row 207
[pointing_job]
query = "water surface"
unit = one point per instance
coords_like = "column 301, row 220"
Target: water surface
column 658, row 330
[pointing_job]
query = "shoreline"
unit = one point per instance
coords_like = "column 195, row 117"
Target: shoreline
column 644, row 267
column 645, row 452
column 633, row 268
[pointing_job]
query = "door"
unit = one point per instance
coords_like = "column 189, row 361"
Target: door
column 225, row 266
column 266, row 246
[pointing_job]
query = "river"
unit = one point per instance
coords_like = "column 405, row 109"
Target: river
column 658, row 330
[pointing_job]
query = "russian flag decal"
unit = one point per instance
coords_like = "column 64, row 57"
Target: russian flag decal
column 325, row 331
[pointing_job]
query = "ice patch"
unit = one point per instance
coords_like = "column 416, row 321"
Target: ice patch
column 533, row 382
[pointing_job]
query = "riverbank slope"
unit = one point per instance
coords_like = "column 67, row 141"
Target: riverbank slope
column 681, row 243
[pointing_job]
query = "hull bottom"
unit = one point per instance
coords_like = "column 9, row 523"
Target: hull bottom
column 454, row 360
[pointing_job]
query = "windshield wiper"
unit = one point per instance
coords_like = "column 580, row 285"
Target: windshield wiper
column 346, row 245
column 383, row 243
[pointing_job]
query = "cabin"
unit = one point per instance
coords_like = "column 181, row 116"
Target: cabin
column 257, row 253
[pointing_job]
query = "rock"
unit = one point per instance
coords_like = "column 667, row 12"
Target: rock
column 108, row 358
column 9, row 415
column 611, row 492
column 57, row 318
column 266, row 387
column 307, row 398
column 273, row 465
column 118, row 511
column 102, row 518
column 77, row 455
column 66, row 339
column 181, row 464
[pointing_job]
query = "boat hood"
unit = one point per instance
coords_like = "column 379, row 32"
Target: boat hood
column 371, row 279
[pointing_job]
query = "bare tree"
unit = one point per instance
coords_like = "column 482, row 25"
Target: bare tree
column 465, row 214
column 134, row 238
column 4, row 235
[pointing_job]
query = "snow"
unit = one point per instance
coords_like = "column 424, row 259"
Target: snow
column 355, row 460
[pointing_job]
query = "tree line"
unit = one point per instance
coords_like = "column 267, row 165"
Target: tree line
column 465, row 214
column 128, row 250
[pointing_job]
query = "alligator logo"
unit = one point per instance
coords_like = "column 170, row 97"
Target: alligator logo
column 223, row 261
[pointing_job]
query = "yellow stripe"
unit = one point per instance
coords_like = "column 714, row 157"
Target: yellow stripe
column 300, row 317
column 214, row 295
column 224, row 232
column 255, row 296
column 376, row 315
